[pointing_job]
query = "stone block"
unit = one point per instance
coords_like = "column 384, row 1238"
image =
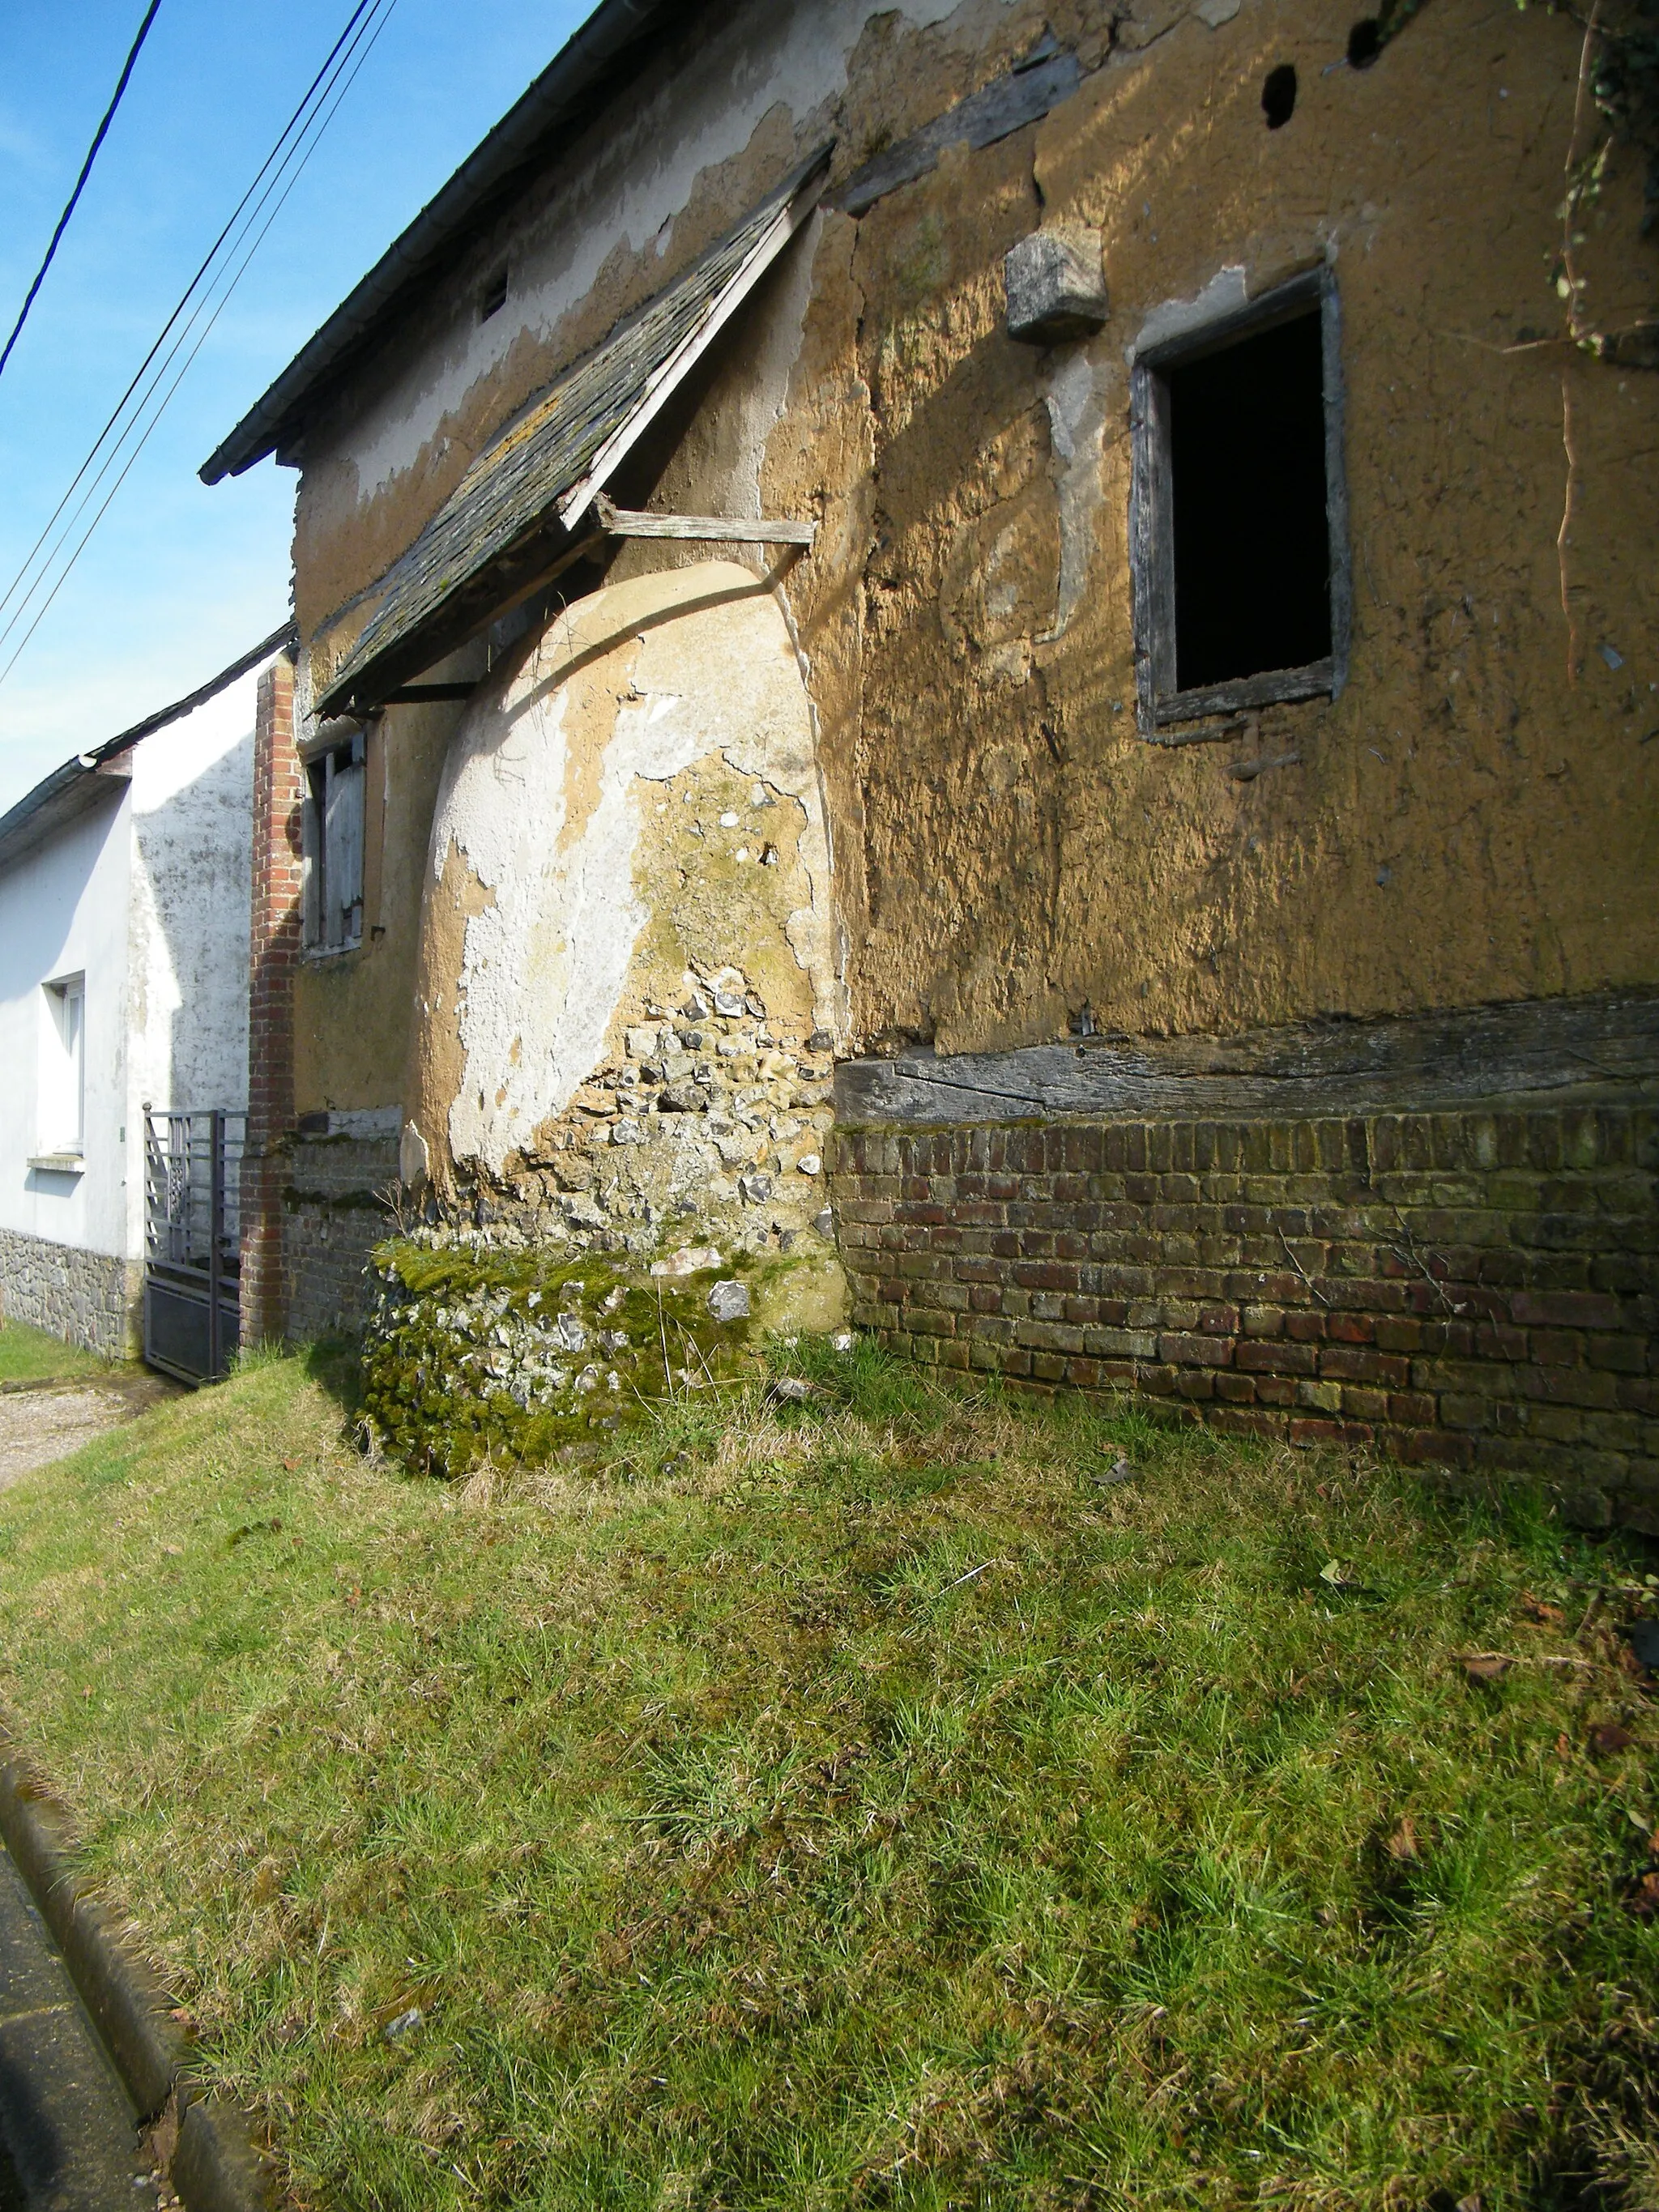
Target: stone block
column 1056, row 285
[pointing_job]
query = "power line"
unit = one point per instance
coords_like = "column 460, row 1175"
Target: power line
column 184, row 298
column 386, row 6
column 86, row 171
column 305, row 128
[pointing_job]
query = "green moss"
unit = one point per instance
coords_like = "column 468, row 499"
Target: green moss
column 474, row 1351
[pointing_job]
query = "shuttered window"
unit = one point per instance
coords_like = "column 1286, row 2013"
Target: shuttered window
column 334, row 847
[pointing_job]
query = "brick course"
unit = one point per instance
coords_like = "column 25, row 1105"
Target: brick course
column 1475, row 1289
column 274, row 957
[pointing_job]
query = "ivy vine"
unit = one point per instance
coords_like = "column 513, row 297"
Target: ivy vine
column 1617, row 107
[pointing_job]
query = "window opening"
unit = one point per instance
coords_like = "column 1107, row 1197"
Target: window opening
column 1279, row 95
column 493, row 296
column 1247, row 471
column 1238, row 525
column 63, row 1102
column 334, row 843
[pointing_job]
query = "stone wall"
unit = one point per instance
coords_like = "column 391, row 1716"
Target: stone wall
column 332, row 1217
column 1468, row 1289
column 87, row 1298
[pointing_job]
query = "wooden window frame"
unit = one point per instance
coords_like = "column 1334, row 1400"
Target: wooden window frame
column 323, row 760
column 1151, row 535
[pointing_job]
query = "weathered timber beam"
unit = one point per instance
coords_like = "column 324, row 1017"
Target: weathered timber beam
column 635, row 522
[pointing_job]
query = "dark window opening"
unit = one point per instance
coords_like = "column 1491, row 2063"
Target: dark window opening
column 494, row 297
column 1248, row 499
column 1279, row 95
column 1364, row 42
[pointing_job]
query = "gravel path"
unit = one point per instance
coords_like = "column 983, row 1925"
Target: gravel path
column 38, row 1426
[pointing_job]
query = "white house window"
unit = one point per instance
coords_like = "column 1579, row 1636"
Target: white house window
column 63, row 1101
column 334, row 846
column 1239, row 525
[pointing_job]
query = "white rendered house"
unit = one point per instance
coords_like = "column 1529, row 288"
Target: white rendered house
column 125, row 890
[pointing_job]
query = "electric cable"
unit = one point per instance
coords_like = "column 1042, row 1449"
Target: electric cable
column 80, row 182
column 184, row 302
column 335, row 93
column 342, row 51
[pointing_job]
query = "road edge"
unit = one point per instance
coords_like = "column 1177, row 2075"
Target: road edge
column 215, row 2166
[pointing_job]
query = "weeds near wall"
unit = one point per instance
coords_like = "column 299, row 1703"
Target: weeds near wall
column 1617, row 107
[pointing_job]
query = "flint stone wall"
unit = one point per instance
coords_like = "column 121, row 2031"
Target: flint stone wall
column 87, row 1298
column 333, row 1217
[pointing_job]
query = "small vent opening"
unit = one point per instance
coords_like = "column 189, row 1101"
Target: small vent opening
column 1279, row 95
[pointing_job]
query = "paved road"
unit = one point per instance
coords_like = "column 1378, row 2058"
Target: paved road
column 69, row 2139
column 39, row 1425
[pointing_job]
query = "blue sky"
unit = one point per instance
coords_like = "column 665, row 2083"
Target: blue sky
column 178, row 579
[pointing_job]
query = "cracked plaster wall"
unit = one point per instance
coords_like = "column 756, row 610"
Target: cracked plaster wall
column 1471, row 820
column 627, row 963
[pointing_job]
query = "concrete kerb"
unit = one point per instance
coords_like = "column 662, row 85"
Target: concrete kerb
column 214, row 2167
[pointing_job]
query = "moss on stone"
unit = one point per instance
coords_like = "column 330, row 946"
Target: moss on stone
column 474, row 1351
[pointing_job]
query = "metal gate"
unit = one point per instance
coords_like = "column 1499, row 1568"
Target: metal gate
column 192, row 1234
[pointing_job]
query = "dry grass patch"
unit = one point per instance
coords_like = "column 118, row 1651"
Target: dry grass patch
column 859, row 1803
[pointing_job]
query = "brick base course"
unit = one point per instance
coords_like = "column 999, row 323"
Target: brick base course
column 87, row 1298
column 1469, row 1290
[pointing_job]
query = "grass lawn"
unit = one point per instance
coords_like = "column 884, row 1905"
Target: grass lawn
column 30, row 1355
column 860, row 1804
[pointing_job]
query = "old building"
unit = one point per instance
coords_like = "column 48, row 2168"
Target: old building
column 1088, row 565
column 124, row 987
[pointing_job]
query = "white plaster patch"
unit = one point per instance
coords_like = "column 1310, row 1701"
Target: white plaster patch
column 1225, row 292
column 1077, row 429
column 545, row 963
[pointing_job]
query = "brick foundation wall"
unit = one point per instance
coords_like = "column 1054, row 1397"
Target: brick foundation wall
column 87, row 1298
column 274, row 959
column 1471, row 1289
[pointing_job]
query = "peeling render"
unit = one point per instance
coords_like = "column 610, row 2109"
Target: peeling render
column 630, row 826
column 1470, row 822
column 785, row 63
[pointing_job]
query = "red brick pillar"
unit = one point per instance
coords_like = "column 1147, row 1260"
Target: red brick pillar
column 274, row 959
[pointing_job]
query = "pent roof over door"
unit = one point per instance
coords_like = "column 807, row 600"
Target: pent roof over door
column 516, row 514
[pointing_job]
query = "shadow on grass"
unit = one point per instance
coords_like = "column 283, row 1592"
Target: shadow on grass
column 334, row 1363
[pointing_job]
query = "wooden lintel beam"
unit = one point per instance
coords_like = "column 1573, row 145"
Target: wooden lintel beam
column 722, row 529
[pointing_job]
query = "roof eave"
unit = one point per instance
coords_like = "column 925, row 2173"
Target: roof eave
column 56, row 800
column 562, row 93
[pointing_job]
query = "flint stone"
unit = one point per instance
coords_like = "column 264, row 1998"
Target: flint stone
column 571, row 1333
column 755, row 1189
column 729, row 1003
column 687, row 1261
column 1056, row 284
column 729, row 1301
